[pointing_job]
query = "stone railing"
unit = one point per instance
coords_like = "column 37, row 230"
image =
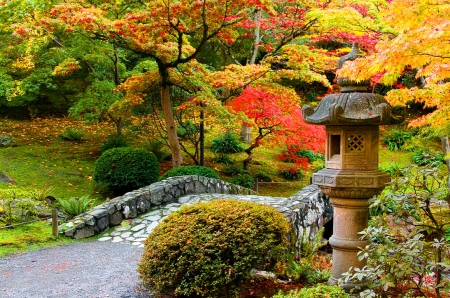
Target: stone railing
column 307, row 211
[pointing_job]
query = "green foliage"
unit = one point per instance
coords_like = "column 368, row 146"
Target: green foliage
column 6, row 141
column 320, row 290
column 290, row 173
column 227, row 143
column 209, row 248
column 396, row 139
column 225, row 159
column 71, row 134
column 262, row 177
column 408, row 245
column 16, row 206
column 305, row 268
column 125, row 169
column 244, row 180
column 234, row 170
column 95, row 103
column 426, row 157
column 75, row 206
column 393, row 169
column 187, row 129
column 190, row 170
column 40, row 194
column 114, row 141
column 157, row 148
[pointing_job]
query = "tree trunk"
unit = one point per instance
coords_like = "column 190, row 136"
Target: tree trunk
column 175, row 148
column 446, row 149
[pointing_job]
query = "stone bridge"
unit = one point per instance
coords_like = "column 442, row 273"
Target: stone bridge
column 307, row 211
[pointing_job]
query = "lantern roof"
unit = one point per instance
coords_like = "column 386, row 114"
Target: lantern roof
column 353, row 106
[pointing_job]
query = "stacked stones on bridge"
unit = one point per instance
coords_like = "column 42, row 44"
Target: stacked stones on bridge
column 139, row 201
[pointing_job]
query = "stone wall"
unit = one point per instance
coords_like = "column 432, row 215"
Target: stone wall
column 307, row 211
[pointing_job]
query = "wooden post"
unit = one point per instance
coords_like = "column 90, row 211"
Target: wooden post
column 55, row 223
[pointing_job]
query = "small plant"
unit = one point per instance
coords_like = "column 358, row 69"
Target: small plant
column 75, row 206
column 306, row 267
column 234, row 170
column 408, row 246
column 16, row 206
column 225, row 159
column 227, row 143
column 290, row 173
column 393, row 169
column 114, row 141
column 243, row 180
column 42, row 194
column 72, row 135
column 428, row 158
column 125, row 169
column 396, row 139
column 157, row 148
column 209, row 248
column 262, row 177
column 6, row 141
column 320, row 290
column 190, row 170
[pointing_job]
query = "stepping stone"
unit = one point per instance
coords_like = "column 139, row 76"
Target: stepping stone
column 151, row 226
column 136, row 243
column 105, row 238
column 140, row 239
column 130, row 238
column 138, row 227
column 139, row 234
column 126, row 234
column 117, row 239
column 115, row 234
column 123, row 228
column 152, row 217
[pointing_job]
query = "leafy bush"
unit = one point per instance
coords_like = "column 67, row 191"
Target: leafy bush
column 190, row 170
column 234, row 170
column 16, row 206
column 428, row 158
column 243, row 180
column 393, row 169
column 157, row 148
column 320, row 290
column 209, row 248
column 72, row 135
column 306, row 268
column 6, row 141
column 225, row 159
column 396, row 139
column 114, row 141
column 262, row 177
column 75, row 206
column 125, row 169
column 408, row 245
column 227, row 143
column 290, row 173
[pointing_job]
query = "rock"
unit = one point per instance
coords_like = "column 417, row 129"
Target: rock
column 5, row 178
column 6, row 141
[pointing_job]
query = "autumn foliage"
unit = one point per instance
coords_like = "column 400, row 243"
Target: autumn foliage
column 275, row 112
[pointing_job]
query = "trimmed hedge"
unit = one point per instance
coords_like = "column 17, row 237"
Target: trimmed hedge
column 125, row 169
column 190, row 170
column 209, row 248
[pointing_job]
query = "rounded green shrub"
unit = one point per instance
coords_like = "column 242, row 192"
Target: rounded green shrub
column 243, row 180
column 125, row 169
column 209, row 248
column 190, row 170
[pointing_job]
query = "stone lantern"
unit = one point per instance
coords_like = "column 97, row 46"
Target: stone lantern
column 351, row 175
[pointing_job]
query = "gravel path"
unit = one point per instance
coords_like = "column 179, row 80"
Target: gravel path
column 84, row 269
